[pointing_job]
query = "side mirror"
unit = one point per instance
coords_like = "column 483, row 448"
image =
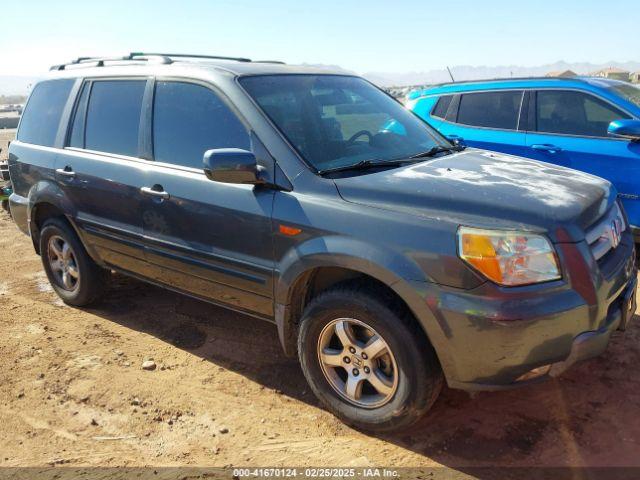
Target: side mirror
column 232, row 165
column 457, row 140
column 629, row 129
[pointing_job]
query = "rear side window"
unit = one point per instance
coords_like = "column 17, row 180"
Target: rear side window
column 113, row 116
column 491, row 109
column 41, row 118
column 440, row 110
column 190, row 119
column 574, row 113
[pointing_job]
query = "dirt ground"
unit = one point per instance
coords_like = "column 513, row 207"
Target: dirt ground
column 6, row 135
column 73, row 393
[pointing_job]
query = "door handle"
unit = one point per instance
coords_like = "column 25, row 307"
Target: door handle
column 546, row 147
column 155, row 191
column 66, row 172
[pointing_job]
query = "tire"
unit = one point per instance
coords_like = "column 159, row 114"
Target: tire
column 416, row 377
column 90, row 280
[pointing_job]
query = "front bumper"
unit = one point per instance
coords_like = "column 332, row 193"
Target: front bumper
column 492, row 337
column 591, row 344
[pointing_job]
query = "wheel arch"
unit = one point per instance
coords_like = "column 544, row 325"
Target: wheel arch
column 47, row 200
column 303, row 277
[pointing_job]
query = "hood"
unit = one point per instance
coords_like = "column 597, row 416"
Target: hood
column 487, row 189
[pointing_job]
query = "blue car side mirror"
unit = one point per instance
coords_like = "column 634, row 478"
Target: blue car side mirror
column 456, row 140
column 629, row 129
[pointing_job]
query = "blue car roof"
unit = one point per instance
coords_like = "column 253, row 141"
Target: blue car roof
column 508, row 83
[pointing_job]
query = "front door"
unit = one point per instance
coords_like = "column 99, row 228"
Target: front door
column 210, row 239
column 569, row 128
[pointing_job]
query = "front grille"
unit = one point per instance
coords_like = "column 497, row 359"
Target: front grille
column 606, row 234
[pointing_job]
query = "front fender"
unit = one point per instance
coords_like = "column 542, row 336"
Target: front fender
column 385, row 265
column 396, row 271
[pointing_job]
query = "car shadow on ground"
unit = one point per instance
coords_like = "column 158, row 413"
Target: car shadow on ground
column 572, row 421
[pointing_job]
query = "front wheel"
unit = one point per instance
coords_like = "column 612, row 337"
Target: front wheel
column 366, row 361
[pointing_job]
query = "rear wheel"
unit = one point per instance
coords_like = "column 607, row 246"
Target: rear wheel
column 366, row 361
column 74, row 276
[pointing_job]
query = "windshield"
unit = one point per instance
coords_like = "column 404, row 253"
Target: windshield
column 335, row 121
column 629, row 92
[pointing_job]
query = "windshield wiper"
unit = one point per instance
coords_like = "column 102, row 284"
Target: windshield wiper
column 364, row 165
column 433, row 151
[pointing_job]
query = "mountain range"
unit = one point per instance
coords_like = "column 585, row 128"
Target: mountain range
column 20, row 85
column 468, row 72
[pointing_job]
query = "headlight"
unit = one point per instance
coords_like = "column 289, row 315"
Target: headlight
column 509, row 258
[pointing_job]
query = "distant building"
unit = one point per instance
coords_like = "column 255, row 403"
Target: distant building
column 635, row 77
column 562, row 74
column 401, row 92
column 613, row 73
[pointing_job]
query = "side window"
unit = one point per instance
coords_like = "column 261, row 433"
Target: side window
column 491, row 109
column 190, row 119
column 440, row 110
column 113, row 116
column 574, row 113
column 41, row 118
column 77, row 129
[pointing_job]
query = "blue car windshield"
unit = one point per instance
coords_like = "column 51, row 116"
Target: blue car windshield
column 335, row 121
column 630, row 93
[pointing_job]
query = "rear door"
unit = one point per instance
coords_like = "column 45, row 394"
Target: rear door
column 487, row 120
column 101, row 170
column 209, row 239
column 569, row 128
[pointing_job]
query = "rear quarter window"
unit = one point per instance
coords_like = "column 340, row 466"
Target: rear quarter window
column 440, row 110
column 41, row 118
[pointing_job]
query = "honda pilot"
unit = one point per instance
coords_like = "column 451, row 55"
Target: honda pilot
column 389, row 259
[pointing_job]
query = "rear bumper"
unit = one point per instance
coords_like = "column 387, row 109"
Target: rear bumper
column 19, row 212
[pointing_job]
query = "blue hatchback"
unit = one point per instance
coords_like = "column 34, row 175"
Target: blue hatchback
column 589, row 124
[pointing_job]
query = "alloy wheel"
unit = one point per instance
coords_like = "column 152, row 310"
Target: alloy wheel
column 357, row 362
column 63, row 263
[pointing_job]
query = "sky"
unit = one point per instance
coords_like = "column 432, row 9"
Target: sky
column 362, row 36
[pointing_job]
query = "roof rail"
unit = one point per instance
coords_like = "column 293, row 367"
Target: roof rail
column 508, row 79
column 100, row 61
column 187, row 55
column 164, row 58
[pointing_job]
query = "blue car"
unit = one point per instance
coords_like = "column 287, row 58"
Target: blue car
column 589, row 124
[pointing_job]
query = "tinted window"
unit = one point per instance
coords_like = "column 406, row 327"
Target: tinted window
column 574, row 113
column 490, row 109
column 41, row 118
column 77, row 130
column 113, row 116
column 629, row 92
column 335, row 121
column 190, row 119
column 442, row 106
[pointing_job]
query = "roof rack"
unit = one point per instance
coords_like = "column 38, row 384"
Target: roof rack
column 188, row 55
column 100, row 61
column 507, row 79
column 164, row 58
